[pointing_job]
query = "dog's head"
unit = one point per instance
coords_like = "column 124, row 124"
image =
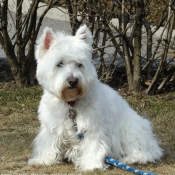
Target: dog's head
column 64, row 63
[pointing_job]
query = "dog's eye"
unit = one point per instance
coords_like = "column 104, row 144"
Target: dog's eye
column 78, row 64
column 60, row 64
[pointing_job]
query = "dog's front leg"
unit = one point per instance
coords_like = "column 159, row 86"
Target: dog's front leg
column 46, row 151
column 93, row 151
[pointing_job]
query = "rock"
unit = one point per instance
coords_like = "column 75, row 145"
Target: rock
column 5, row 70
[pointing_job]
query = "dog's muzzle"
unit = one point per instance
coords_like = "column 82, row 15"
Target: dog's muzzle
column 73, row 89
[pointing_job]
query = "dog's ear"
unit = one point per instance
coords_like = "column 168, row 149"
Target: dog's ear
column 84, row 33
column 46, row 40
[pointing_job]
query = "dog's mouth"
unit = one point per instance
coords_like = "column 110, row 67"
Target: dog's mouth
column 71, row 103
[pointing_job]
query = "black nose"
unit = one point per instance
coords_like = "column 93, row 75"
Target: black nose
column 72, row 81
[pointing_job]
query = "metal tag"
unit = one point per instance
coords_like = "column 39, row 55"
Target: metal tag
column 72, row 114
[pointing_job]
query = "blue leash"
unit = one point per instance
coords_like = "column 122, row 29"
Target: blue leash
column 125, row 167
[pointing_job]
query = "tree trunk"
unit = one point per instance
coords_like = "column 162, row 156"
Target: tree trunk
column 127, row 57
column 137, row 47
column 73, row 11
column 149, row 49
column 20, row 52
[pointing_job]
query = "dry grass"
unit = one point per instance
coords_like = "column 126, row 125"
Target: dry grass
column 18, row 127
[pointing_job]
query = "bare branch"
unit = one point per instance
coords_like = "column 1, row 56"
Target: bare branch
column 103, row 47
column 41, row 19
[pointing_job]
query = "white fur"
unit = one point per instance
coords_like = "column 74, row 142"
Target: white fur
column 110, row 126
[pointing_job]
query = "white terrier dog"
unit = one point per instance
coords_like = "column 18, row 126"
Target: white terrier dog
column 75, row 102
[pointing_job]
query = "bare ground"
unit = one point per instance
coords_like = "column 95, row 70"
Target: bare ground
column 19, row 125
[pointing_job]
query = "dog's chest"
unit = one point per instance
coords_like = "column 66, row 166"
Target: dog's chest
column 70, row 140
column 70, row 133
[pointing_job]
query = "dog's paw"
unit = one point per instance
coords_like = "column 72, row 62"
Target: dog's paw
column 132, row 160
column 35, row 161
column 41, row 161
column 127, row 160
column 90, row 166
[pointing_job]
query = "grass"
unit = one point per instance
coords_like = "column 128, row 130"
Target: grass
column 19, row 125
